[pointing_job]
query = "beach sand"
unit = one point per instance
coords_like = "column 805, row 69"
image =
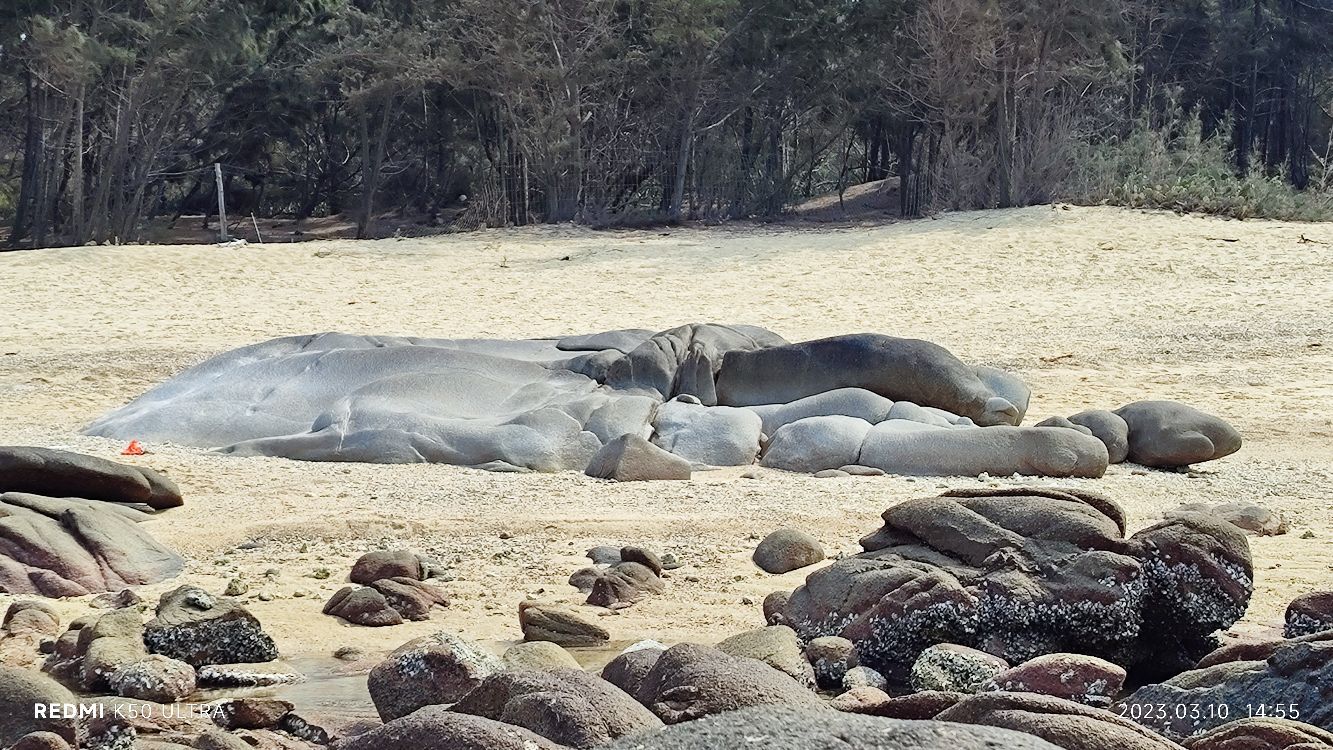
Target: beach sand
column 1094, row 307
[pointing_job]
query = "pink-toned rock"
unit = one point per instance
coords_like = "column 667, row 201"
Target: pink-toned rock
column 1075, row 677
column 875, row 702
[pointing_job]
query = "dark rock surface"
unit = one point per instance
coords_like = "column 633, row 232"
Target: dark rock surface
column 373, row 566
column 895, row 368
column 1309, row 614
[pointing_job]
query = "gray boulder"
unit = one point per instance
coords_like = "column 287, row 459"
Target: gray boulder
column 628, row 669
column 843, row 402
column 567, row 706
column 1169, row 434
column 631, row 458
column 434, row 669
column 73, row 547
column 198, row 628
column 1252, row 519
column 715, row 436
column 688, row 681
column 438, row 728
column 620, row 585
column 1108, row 427
column 895, row 368
column 799, row 728
column 912, row 448
column 775, row 645
column 336, row 397
column 816, row 443
column 56, row 473
column 786, row 550
column 684, row 360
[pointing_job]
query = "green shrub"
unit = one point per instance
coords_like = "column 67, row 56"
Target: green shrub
column 1176, row 167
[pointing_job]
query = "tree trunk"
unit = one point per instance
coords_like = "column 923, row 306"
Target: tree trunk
column 78, row 229
column 372, row 160
column 32, row 148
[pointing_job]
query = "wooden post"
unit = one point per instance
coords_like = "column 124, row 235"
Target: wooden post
column 222, row 204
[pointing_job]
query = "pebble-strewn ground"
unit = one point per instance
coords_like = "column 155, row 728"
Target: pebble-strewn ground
column 1095, row 307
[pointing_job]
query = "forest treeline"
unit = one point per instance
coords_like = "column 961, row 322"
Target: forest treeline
column 470, row 113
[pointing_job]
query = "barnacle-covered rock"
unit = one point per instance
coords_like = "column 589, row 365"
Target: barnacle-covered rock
column 1021, row 572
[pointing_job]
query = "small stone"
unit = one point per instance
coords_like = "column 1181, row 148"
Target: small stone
column 831, row 474
column 786, row 550
column 604, row 555
column 858, row 677
column 831, row 657
column 236, row 587
column 542, row 623
column 349, row 653
column 250, row 713
column 861, row 471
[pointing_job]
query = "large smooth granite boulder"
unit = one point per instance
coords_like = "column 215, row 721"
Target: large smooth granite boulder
column 61, row 547
column 1169, row 434
column 56, row 473
column 895, row 368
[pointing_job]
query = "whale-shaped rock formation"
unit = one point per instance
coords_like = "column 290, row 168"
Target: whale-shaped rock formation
column 714, row 395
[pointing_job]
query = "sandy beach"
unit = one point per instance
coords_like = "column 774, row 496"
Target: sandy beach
column 1094, row 307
